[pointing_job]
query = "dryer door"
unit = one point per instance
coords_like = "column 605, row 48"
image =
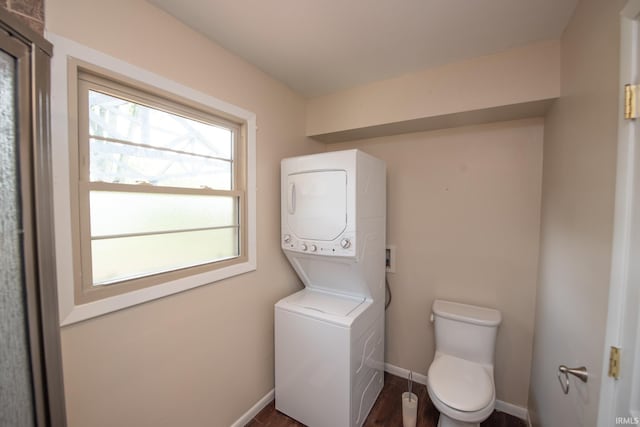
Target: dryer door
column 317, row 204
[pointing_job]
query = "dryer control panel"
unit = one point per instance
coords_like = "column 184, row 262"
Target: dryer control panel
column 344, row 246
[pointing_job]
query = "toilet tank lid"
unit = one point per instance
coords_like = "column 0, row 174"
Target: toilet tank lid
column 467, row 313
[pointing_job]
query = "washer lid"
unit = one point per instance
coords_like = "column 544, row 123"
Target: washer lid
column 460, row 384
column 338, row 305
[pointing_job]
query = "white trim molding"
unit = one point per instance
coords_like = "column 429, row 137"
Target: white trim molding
column 70, row 312
column 404, row 373
column 255, row 409
column 507, row 408
column 511, row 409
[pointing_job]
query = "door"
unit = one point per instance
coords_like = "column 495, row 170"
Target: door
column 620, row 397
column 31, row 389
column 16, row 400
column 317, row 204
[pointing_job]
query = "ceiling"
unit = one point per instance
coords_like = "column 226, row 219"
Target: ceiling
column 321, row 46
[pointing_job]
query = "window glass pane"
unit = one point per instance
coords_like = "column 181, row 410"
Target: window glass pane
column 130, row 164
column 112, row 117
column 114, row 213
column 129, row 257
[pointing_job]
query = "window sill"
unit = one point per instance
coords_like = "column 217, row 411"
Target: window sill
column 76, row 313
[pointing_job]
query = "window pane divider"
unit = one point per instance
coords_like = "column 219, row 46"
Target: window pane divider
column 157, row 233
column 149, row 188
column 153, row 147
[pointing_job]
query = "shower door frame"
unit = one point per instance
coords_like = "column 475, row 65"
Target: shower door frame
column 33, row 53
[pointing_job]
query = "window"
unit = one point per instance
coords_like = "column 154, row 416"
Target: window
column 159, row 186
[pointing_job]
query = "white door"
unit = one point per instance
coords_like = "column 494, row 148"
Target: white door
column 317, row 204
column 620, row 398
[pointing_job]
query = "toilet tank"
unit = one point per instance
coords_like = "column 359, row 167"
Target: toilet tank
column 466, row 331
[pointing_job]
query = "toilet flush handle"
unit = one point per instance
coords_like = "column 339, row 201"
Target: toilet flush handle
column 431, row 319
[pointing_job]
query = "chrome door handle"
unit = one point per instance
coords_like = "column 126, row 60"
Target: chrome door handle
column 580, row 373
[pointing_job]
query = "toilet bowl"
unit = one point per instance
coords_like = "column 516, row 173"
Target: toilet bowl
column 462, row 391
column 460, row 379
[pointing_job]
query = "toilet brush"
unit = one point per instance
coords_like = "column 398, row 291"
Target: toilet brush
column 409, row 405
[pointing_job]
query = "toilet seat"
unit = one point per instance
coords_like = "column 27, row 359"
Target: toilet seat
column 474, row 418
column 460, row 384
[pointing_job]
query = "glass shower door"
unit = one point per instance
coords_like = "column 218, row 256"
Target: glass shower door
column 16, row 384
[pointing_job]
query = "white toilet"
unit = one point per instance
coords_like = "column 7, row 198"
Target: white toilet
column 460, row 379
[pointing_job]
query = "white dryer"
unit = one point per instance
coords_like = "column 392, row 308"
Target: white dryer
column 329, row 337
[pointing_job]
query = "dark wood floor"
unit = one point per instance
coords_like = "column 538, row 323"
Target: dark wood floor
column 387, row 410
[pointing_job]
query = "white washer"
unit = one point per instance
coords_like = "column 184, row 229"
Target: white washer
column 329, row 353
column 329, row 337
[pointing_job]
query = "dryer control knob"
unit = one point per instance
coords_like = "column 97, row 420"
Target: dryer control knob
column 314, row 248
column 345, row 243
column 286, row 238
column 303, row 246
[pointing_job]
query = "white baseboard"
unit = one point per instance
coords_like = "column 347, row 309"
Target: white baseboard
column 255, row 409
column 404, row 373
column 508, row 408
column 511, row 409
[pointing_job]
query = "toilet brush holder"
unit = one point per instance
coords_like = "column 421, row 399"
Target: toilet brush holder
column 409, row 409
column 409, row 406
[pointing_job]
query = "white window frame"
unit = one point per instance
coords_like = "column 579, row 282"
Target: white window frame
column 70, row 310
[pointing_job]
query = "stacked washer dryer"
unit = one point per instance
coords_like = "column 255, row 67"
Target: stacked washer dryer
column 329, row 337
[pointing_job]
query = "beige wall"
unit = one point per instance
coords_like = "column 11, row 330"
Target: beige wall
column 463, row 211
column 577, row 215
column 205, row 356
column 516, row 76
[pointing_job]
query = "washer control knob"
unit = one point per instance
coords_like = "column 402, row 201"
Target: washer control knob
column 303, row 246
column 314, row 248
column 345, row 243
column 287, row 238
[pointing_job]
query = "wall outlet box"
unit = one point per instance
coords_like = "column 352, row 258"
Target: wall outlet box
column 390, row 259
